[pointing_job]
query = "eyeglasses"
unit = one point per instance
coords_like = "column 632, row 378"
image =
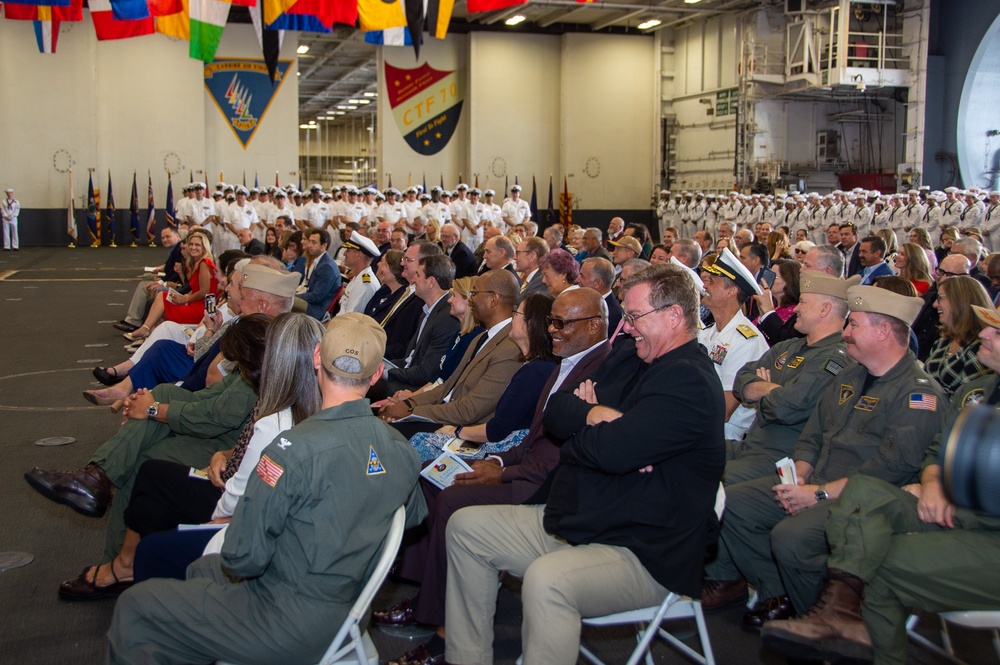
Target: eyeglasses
column 630, row 319
column 559, row 324
column 517, row 312
column 407, row 259
column 942, row 273
column 475, row 293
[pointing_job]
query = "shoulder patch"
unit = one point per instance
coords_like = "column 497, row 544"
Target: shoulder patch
column 846, row 393
column 866, row 403
column 366, row 278
column 269, row 470
column 973, row 397
column 375, row 467
column 284, row 443
column 833, row 367
column 746, row 330
column 779, row 362
column 923, row 401
column 796, row 361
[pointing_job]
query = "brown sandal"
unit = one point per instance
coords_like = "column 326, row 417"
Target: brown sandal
column 82, row 588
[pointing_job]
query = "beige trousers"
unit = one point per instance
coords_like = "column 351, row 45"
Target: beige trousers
column 562, row 583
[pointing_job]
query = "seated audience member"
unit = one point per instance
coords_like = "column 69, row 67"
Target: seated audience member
column 640, row 233
column 292, row 254
column 559, row 271
column 599, row 274
column 778, row 247
column 468, row 327
column 528, row 259
column 687, row 251
column 470, row 394
column 953, row 360
column 927, row 327
column 359, row 252
column 498, row 254
column 510, row 477
column 147, row 289
column 821, row 258
column 893, row 550
column 876, row 418
column 732, row 341
column 783, row 294
column 394, row 306
column 249, row 244
column 972, row 249
column 189, row 307
column 911, row 264
column 419, row 362
column 642, row 534
column 323, row 278
column 165, row 423
column 529, row 331
column 271, row 245
column 784, row 385
column 871, row 256
column 922, row 239
column 457, row 251
column 593, row 242
column 166, row 494
column 296, row 554
column 660, row 254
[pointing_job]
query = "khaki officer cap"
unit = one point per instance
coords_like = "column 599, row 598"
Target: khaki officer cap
column 880, row 301
column 814, row 281
column 990, row 317
column 628, row 242
column 270, row 281
column 353, row 335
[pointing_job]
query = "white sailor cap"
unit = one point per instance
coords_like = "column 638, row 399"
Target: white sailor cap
column 218, row 194
column 436, row 190
column 279, row 194
column 316, row 187
column 424, row 196
column 255, row 190
column 460, row 186
column 664, row 191
column 912, row 192
column 995, row 193
column 475, row 191
column 240, row 189
column 220, row 186
column 391, row 191
column 412, row 190
column 489, row 192
column 516, row 188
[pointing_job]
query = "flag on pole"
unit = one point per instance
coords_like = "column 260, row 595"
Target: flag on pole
column 477, row 182
column 71, row 214
column 533, row 205
column 565, row 206
column 111, row 210
column 276, row 183
column 133, row 209
column 506, row 185
column 151, row 215
column 244, row 177
column 425, row 181
column 551, row 214
column 93, row 213
column 170, row 213
column 256, row 183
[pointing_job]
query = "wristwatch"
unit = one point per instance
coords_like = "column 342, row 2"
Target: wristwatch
column 822, row 494
column 154, row 409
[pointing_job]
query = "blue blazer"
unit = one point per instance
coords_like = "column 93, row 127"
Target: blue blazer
column 882, row 270
column 322, row 287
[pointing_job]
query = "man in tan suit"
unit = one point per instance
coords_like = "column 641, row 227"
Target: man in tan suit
column 470, row 395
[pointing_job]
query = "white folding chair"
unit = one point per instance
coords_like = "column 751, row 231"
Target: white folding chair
column 980, row 620
column 350, row 646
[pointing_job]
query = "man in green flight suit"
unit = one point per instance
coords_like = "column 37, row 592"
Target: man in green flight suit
column 788, row 380
column 877, row 418
column 302, row 538
column 901, row 549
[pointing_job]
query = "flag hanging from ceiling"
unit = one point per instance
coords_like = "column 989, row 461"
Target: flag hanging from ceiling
column 379, row 15
column 129, row 10
column 389, row 37
column 328, row 11
column 151, row 214
column 474, row 6
column 93, row 213
column 165, row 7
column 275, row 8
column 208, row 20
column 69, row 13
column 111, row 210
column 71, row 214
column 169, row 209
column 243, row 93
column 40, row 3
column 177, row 24
column 106, row 27
column 270, row 41
column 133, row 210
column 299, row 23
column 439, row 17
column 46, row 31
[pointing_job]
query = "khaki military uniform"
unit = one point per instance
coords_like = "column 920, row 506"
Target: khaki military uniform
column 296, row 554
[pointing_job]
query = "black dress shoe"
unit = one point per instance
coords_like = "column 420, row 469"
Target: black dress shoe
column 400, row 614
column 419, row 656
column 719, row 594
column 124, row 326
column 107, row 378
column 88, row 490
column 779, row 607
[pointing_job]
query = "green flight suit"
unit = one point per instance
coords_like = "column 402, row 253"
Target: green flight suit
column 874, row 532
column 301, row 545
column 882, row 430
column 199, row 424
column 802, row 372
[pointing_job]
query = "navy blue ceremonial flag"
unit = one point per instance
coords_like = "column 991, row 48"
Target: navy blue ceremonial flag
column 256, row 183
column 93, row 213
column 425, row 181
column 150, row 214
column 133, row 209
column 442, row 181
column 298, row 22
column 534, row 199
column 170, row 212
column 300, row 181
column 551, row 212
column 506, row 187
column 111, row 210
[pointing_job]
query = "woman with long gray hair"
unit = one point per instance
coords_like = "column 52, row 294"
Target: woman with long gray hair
column 167, row 494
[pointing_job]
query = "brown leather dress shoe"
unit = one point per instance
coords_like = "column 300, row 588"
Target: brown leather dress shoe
column 779, row 607
column 400, row 614
column 88, row 490
column 419, row 656
column 717, row 595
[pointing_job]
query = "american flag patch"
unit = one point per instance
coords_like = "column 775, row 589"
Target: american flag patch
column 269, row 471
column 923, row 401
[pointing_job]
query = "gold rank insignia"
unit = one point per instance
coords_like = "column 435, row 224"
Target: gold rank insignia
column 796, row 361
column 746, row 330
column 866, row 403
column 366, row 278
column 846, row 393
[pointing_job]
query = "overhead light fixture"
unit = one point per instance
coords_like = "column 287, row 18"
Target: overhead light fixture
column 691, row 2
column 651, row 23
column 371, row 94
column 514, row 20
column 302, row 49
column 307, row 126
column 341, row 107
column 298, row 73
column 364, row 101
column 352, row 107
column 341, row 112
column 354, row 101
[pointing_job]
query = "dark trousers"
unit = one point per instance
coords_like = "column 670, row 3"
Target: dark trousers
column 165, row 495
column 169, row 553
column 424, row 558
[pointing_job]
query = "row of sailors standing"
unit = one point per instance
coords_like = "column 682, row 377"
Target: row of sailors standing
column 868, row 210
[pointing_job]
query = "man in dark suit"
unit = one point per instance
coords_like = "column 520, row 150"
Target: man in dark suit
column 527, row 259
column 592, row 243
column 631, row 500
column 511, row 477
column 322, row 274
column 599, row 274
column 436, row 331
column 849, row 248
column 498, row 254
column 457, row 251
column 249, row 244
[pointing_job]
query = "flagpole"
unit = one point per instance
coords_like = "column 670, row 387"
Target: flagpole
column 111, row 209
column 70, row 214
